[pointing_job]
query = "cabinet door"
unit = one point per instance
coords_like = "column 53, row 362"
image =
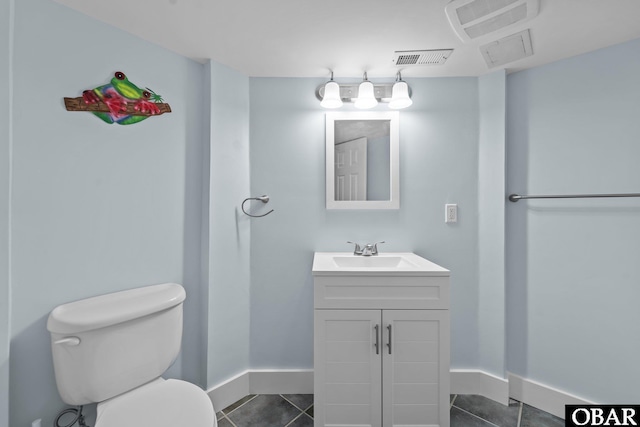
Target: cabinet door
column 415, row 368
column 347, row 380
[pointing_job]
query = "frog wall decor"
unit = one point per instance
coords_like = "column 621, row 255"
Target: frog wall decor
column 119, row 101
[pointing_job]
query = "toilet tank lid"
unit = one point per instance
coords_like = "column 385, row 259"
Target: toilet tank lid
column 110, row 309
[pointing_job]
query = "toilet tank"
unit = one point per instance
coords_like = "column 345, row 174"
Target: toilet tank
column 109, row 344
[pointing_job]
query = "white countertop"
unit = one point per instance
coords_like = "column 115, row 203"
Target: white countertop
column 383, row 264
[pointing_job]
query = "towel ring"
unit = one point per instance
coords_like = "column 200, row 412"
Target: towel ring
column 263, row 199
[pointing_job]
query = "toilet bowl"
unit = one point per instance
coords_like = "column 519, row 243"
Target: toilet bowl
column 112, row 350
column 160, row 403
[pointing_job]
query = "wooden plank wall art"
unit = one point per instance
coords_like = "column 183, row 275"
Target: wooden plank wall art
column 120, row 102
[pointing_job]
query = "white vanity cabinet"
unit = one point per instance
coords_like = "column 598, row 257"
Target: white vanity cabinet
column 381, row 342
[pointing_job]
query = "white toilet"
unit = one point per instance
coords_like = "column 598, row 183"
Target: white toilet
column 113, row 349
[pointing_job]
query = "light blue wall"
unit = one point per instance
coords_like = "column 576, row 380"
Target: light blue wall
column 491, row 201
column 96, row 208
column 438, row 144
column 229, row 229
column 573, row 270
column 5, row 295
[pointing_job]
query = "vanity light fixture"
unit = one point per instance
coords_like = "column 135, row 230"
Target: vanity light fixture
column 331, row 97
column 365, row 94
column 366, row 98
column 400, row 94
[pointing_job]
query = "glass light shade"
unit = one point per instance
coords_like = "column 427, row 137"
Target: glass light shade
column 400, row 96
column 331, row 98
column 366, row 98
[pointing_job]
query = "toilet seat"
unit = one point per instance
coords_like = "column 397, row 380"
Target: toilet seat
column 160, row 403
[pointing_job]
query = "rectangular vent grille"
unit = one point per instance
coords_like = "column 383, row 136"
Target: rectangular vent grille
column 421, row 57
column 507, row 49
column 498, row 22
column 475, row 20
column 480, row 8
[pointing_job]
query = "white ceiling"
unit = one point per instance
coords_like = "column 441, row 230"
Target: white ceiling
column 307, row 38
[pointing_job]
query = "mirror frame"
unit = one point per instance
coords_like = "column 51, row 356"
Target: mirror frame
column 394, row 178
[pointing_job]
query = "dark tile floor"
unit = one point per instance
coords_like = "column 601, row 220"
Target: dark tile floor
column 477, row 411
column 269, row 410
column 296, row 410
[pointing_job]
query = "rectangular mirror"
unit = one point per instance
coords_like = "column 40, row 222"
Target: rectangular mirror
column 362, row 167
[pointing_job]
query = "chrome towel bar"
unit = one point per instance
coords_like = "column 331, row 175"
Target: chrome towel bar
column 515, row 197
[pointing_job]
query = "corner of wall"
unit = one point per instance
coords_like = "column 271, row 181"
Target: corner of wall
column 6, row 140
column 228, row 230
column 541, row 396
column 472, row 381
column 205, row 211
column 491, row 227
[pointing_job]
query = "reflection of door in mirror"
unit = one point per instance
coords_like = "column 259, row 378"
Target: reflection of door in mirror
column 363, row 147
column 351, row 170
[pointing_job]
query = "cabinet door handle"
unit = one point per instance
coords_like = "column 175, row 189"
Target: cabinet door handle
column 389, row 343
column 377, row 328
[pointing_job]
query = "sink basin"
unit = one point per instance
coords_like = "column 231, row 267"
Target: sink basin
column 396, row 263
column 372, row 261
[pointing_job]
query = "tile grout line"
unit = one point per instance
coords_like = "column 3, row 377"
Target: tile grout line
column 294, row 405
column 291, row 422
column 229, row 419
column 234, row 409
column 302, row 411
column 455, row 396
column 474, row 415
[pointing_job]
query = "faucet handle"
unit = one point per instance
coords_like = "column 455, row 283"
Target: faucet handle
column 375, row 248
column 357, row 250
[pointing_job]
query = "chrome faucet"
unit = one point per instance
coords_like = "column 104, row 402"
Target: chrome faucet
column 368, row 249
column 357, row 250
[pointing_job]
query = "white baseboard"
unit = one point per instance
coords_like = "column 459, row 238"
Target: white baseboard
column 542, row 396
column 470, row 381
column 281, row 382
column 463, row 381
column 230, row 391
column 261, row 382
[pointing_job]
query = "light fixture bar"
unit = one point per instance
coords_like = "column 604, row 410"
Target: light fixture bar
column 365, row 94
column 349, row 91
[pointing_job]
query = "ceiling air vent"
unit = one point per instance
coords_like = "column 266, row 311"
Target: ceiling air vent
column 474, row 19
column 508, row 49
column 405, row 58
